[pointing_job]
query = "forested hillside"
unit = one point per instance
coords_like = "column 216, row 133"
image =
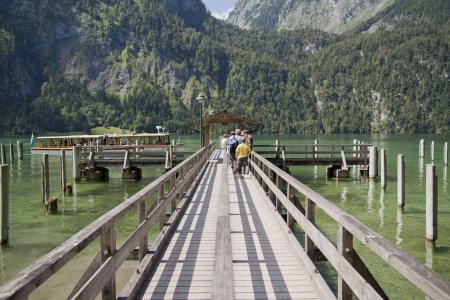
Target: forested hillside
column 69, row 66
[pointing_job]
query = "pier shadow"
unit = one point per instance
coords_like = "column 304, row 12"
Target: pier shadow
column 269, row 258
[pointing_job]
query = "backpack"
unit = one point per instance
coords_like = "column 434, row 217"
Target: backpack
column 233, row 145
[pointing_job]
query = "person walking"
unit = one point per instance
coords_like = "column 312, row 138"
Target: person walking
column 231, row 149
column 248, row 137
column 242, row 153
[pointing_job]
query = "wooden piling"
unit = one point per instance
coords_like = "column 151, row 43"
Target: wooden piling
column 355, row 147
column 45, row 179
column 277, row 149
column 76, row 156
column 383, row 168
column 316, row 148
column 446, row 154
column 431, row 203
column 3, row 154
column 63, row 170
column 422, row 148
column 400, row 180
column 4, row 204
column 19, row 150
column 432, row 150
column 11, row 152
column 373, row 162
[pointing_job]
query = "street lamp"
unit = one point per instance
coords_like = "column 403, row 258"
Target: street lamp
column 201, row 99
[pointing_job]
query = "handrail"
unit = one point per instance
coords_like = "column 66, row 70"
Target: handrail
column 311, row 145
column 431, row 283
column 180, row 177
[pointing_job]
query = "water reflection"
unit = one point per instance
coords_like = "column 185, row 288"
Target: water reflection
column 382, row 208
column 316, row 174
column 370, row 195
column 19, row 168
column 74, row 198
column 2, row 266
column 398, row 238
column 11, row 171
column 344, row 193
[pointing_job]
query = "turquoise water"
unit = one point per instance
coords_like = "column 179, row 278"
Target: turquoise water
column 34, row 233
column 377, row 207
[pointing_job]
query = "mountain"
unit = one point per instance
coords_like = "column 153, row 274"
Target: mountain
column 337, row 16
column 135, row 64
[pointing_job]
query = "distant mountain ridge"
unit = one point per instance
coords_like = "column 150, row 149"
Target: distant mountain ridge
column 75, row 65
column 337, row 16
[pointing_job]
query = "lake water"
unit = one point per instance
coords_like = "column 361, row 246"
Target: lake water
column 34, row 233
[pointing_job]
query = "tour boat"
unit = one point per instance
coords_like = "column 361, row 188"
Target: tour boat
column 149, row 141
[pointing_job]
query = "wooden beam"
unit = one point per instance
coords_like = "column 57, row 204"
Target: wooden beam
column 222, row 285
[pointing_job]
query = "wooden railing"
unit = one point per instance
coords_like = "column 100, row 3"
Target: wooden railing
column 110, row 152
column 353, row 275
column 177, row 185
column 316, row 152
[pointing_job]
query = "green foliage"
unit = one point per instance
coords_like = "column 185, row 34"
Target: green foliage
column 6, row 45
column 135, row 64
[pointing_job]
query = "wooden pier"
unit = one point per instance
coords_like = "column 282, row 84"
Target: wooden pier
column 223, row 237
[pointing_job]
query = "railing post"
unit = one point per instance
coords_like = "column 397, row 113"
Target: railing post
column 143, row 242
column 278, row 182
column 173, row 184
column 271, row 178
column 290, row 195
column 310, row 209
column 108, row 248
column 345, row 249
column 162, row 217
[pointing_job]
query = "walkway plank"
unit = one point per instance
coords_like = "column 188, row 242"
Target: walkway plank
column 262, row 262
column 265, row 265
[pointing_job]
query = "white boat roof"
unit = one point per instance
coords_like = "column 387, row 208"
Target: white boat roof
column 90, row 136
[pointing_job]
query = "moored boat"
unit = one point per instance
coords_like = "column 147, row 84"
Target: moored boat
column 151, row 142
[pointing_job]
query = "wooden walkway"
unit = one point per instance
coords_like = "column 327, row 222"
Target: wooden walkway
column 262, row 263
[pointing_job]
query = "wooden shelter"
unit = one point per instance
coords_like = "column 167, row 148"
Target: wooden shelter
column 223, row 117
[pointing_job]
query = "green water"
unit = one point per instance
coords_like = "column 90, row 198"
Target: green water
column 33, row 233
column 377, row 208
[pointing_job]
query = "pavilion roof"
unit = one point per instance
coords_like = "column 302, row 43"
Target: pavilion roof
column 225, row 117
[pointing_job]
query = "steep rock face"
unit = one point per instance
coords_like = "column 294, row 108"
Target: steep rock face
column 336, row 16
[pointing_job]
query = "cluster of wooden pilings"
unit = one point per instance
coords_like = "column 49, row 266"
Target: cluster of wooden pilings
column 431, row 182
column 4, row 187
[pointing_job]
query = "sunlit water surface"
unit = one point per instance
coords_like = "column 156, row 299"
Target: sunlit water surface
column 34, row 233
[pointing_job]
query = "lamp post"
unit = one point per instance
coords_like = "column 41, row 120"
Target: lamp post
column 201, row 99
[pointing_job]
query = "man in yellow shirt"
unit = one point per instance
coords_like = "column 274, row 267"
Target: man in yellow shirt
column 242, row 153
